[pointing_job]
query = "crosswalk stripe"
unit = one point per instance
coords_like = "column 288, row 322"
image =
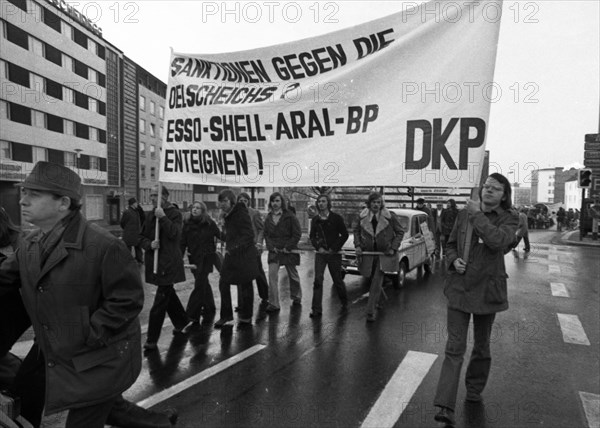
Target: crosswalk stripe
column 559, row 289
column 397, row 393
column 591, row 406
column 203, row 375
column 572, row 330
column 553, row 269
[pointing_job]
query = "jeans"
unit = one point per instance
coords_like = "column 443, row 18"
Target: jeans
column 334, row 261
column 478, row 369
column 376, row 288
column 295, row 290
column 165, row 302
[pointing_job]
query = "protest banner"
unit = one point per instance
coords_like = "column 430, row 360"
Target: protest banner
column 400, row 101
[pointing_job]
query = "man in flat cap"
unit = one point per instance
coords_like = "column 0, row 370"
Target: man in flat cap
column 83, row 293
column 131, row 223
column 170, row 265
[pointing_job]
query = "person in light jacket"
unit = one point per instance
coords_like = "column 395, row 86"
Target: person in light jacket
column 378, row 230
column 475, row 287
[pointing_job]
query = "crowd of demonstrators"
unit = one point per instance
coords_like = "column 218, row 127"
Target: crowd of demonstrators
column 282, row 234
column 170, row 268
column 476, row 287
column 328, row 234
column 199, row 239
column 378, row 231
column 97, row 298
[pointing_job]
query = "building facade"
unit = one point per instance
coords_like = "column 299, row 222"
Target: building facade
column 70, row 97
column 547, row 186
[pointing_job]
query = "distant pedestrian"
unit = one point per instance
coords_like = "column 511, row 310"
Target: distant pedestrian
column 561, row 216
column 198, row 238
column 282, row 234
column 437, row 232
column 132, row 226
column 475, row 287
column 239, row 265
column 594, row 213
column 170, row 265
column 378, row 230
column 328, row 234
column 422, row 207
column 522, row 233
column 448, row 218
column 258, row 227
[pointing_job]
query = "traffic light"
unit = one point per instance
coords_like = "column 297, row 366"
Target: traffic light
column 410, row 191
column 584, row 178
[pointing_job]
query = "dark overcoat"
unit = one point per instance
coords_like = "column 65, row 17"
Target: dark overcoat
column 198, row 239
column 284, row 235
column 170, row 260
column 132, row 226
column 84, row 305
column 239, row 265
column 482, row 289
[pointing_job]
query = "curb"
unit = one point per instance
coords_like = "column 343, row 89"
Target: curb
column 565, row 239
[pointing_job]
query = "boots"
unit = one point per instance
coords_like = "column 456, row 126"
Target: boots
column 125, row 414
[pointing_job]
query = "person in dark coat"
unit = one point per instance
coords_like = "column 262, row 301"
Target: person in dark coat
column 170, row 266
column 448, row 218
column 198, row 238
column 328, row 233
column 239, row 265
column 476, row 287
column 132, row 226
column 282, row 234
column 95, row 297
column 258, row 227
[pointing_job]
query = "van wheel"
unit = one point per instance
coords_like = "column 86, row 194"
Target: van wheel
column 400, row 278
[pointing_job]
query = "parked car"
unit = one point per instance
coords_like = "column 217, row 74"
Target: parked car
column 415, row 250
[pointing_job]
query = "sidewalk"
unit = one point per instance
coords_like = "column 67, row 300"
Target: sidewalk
column 572, row 238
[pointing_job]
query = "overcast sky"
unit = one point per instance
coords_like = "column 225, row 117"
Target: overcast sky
column 547, row 65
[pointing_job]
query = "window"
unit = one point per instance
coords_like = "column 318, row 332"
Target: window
column 152, row 130
column 143, row 172
column 102, row 136
column 80, row 38
column 94, row 207
column 51, row 19
column 101, row 51
column 18, row 75
column 80, row 68
column 142, row 126
column 101, row 108
column 152, row 151
column 21, row 4
column 40, row 154
column 152, row 108
column 142, row 149
column 161, row 112
column 70, row 159
column 142, row 103
column 54, row 89
column 69, row 127
column 5, row 149
column 101, row 79
column 17, row 36
column 22, row 152
column 81, row 100
column 19, row 113
column 69, row 95
column 52, row 54
column 261, row 203
column 54, row 123
column 152, row 173
column 94, row 162
column 82, row 131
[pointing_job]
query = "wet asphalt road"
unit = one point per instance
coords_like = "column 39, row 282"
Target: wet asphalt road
column 294, row 371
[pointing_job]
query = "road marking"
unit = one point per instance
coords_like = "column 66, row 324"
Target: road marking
column 203, row 375
column 397, row 393
column 572, row 330
column 591, row 406
column 559, row 289
column 553, row 269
